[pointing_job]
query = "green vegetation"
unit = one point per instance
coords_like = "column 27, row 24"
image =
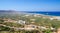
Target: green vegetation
column 2, row 28
column 40, row 21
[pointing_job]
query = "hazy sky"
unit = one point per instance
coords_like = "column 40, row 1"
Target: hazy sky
column 30, row 5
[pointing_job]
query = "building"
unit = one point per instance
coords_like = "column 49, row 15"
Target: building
column 21, row 22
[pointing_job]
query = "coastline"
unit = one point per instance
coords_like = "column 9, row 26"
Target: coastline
column 51, row 17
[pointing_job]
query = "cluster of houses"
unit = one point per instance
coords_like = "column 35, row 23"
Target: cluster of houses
column 26, row 27
column 32, row 26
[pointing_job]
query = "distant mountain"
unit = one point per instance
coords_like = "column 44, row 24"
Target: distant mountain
column 10, row 12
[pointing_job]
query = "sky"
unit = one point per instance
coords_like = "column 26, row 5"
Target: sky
column 30, row 5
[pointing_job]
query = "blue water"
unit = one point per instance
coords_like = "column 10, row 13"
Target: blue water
column 48, row 13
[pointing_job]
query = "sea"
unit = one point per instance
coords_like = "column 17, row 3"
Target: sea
column 47, row 13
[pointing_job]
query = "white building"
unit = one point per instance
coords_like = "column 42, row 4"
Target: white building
column 51, row 18
column 21, row 22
